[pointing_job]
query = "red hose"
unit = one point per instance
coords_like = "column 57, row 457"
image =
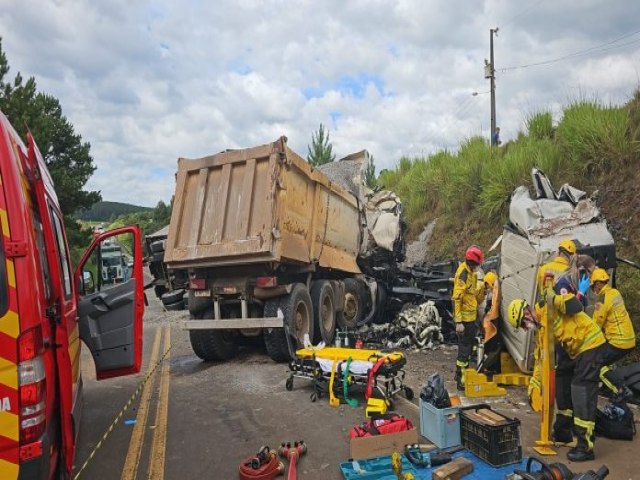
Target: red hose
column 268, row 471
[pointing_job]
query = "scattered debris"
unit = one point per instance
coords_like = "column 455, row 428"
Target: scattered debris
column 415, row 326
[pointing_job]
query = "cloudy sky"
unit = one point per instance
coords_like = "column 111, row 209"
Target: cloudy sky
column 148, row 81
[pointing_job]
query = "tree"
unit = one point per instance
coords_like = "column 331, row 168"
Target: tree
column 370, row 173
column 67, row 157
column 320, row 150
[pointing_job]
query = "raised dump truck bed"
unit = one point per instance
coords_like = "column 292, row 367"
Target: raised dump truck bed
column 263, row 204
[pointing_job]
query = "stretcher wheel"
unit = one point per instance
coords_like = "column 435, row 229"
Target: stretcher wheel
column 408, row 392
column 289, row 384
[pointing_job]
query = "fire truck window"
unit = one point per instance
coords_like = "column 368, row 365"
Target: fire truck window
column 63, row 254
column 111, row 263
column 42, row 253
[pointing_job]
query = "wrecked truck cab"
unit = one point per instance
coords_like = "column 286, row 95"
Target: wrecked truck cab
column 536, row 227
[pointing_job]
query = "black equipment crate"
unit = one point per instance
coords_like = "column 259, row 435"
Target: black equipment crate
column 497, row 445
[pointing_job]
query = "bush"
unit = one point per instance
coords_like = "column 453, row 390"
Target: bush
column 540, row 126
column 594, row 137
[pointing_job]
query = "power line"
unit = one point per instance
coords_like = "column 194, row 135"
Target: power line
column 580, row 53
column 522, row 12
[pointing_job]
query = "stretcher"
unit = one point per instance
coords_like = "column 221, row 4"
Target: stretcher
column 347, row 372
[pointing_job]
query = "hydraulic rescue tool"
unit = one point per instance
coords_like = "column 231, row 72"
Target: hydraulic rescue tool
column 556, row 471
column 292, row 452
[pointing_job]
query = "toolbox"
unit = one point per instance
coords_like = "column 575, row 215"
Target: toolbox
column 441, row 426
column 378, row 468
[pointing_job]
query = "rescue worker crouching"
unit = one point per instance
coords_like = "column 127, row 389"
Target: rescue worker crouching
column 612, row 317
column 466, row 296
column 577, row 372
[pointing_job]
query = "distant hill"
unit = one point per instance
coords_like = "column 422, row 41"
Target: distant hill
column 109, row 211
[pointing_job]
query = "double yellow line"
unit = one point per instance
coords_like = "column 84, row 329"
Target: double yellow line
column 159, row 440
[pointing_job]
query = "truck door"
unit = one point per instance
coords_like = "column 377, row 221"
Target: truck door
column 110, row 310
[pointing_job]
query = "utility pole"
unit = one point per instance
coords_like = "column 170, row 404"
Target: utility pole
column 490, row 73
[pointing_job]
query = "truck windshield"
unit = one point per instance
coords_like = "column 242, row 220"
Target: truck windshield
column 111, row 261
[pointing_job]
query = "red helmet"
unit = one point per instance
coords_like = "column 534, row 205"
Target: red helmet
column 474, row 254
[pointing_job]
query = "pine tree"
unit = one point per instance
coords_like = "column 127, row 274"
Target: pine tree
column 370, row 173
column 66, row 155
column 320, row 150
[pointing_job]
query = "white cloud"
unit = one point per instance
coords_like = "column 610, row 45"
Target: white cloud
column 147, row 82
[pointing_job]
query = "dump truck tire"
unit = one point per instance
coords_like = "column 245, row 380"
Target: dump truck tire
column 298, row 315
column 175, row 296
column 324, row 311
column 175, row 307
column 212, row 345
column 354, row 304
column 160, row 290
column 274, row 339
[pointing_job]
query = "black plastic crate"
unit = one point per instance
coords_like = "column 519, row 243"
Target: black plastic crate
column 495, row 444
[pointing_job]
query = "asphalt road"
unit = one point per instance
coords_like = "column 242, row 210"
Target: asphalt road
column 197, row 420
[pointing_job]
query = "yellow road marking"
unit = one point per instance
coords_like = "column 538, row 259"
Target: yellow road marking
column 158, row 447
column 130, row 470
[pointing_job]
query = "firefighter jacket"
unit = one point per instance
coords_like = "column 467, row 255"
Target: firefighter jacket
column 556, row 267
column 612, row 316
column 466, row 294
column 576, row 332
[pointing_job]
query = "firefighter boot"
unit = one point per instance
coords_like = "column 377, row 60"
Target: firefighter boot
column 583, row 451
column 459, row 379
column 562, row 427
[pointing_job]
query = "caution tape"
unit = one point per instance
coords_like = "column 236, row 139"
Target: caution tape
column 118, row 417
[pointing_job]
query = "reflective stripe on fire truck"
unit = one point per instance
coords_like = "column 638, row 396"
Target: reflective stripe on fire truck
column 9, row 332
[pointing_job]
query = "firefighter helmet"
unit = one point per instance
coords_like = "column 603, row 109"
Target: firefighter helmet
column 515, row 312
column 474, row 254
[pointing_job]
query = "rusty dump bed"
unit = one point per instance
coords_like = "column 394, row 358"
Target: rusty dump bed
column 257, row 205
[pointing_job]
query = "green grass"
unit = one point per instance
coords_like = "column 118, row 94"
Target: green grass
column 471, row 188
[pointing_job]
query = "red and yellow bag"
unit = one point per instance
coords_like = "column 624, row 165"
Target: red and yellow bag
column 380, row 425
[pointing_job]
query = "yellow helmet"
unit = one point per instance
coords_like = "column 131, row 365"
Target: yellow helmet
column 568, row 245
column 515, row 311
column 599, row 275
column 490, row 278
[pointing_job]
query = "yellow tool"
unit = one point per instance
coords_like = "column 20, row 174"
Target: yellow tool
column 477, row 385
column 377, row 406
column 396, row 466
column 333, row 400
column 544, row 444
column 510, row 375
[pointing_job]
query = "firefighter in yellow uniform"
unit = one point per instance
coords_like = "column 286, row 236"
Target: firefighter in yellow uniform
column 578, row 369
column 612, row 317
column 547, row 275
column 466, row 296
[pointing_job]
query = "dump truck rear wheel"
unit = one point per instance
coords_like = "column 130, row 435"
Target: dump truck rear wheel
column 324, row 311
column 354, row 304
column 298, row 313
column 274, row 339
column 298, row 316
column 212, row 345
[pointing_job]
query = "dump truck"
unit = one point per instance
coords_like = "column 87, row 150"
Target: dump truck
column 271, row 247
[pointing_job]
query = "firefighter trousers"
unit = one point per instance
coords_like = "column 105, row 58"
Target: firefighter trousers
column 610, row 356
column 577, row 394
column 466, row 341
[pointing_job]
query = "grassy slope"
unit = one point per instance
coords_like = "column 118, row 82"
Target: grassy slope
column 593, row 147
